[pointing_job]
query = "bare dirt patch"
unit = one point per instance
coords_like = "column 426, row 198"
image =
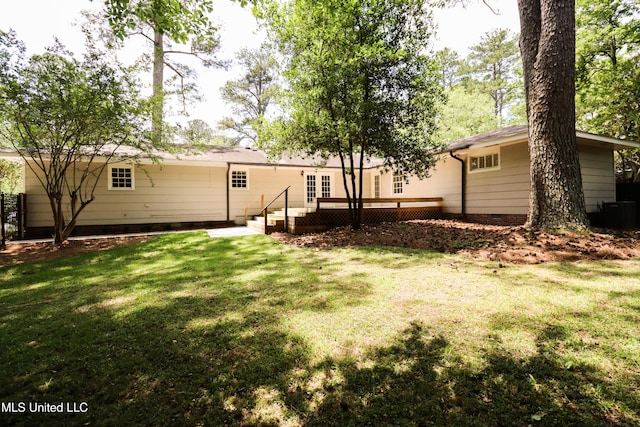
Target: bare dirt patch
column 515, row 245
column 17, row 253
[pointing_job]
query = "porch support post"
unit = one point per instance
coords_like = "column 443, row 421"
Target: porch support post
column 463, row 185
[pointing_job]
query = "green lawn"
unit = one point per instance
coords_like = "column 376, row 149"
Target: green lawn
column 188, row 330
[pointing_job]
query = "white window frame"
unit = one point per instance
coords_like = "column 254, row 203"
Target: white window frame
column 326, row 185
column 111, row 187
column 483, row 159
column 376, row 186
column 400, row 182
column 246, row 179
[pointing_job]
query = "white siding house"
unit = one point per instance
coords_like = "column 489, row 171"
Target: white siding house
column 220, row 184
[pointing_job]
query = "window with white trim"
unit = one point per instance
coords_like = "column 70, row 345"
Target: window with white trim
column 239, row 179
column 121, row 178
column 398, row 184
column 484, row 162
column 376, row 186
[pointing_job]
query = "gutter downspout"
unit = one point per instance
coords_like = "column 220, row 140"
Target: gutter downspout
column 463, row 189
column 228, row 197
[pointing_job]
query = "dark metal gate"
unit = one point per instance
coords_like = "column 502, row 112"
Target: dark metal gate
column 13, row 213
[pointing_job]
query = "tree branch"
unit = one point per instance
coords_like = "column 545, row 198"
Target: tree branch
column 486, row 3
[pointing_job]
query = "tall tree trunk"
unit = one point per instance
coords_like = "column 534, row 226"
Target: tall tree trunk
column 158, row 86
column 547, row 44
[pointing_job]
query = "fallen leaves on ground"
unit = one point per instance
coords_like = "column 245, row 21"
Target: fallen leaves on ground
column 17, row 253
column 507, row 244
column 493, row 242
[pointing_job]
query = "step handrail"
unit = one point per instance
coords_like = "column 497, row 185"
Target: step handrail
column 265, row 210
column 246, row 208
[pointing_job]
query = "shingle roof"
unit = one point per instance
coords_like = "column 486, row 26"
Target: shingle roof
column 242, row 155
column 494, row 135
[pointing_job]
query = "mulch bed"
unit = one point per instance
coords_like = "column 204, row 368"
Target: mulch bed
column 493, row 242
column 17, row 253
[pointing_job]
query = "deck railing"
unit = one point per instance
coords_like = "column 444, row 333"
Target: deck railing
column 397, row 200
column 265, row 210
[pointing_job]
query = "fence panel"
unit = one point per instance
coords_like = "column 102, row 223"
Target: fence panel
column 13, row 216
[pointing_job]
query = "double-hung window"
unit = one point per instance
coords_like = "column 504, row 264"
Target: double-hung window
column 121, row 178
column 398, row 184
column 239, row 179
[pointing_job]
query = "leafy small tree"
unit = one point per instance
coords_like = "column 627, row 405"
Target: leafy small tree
column 359, row 84
column 67, row 118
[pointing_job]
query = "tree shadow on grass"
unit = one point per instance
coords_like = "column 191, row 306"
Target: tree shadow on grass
column 178, row 331
column 419, row 382
column 188, row 331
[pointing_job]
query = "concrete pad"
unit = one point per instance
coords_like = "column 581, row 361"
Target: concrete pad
column 231, row 232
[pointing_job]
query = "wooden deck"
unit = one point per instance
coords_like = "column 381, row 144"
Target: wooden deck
column 301, row 221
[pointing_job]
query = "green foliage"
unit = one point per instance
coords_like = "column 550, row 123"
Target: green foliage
column 180, row 20
column 197, row 132
column 608, row 73
column 608, row 67
column 465, row 114
column 449, row 63
column 251, row 95
column 491, row 68
column 489, row 77
column 10, row 177
column 61, row 114
column 358, row 83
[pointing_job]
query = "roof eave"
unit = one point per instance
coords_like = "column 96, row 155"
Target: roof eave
column 618, row 144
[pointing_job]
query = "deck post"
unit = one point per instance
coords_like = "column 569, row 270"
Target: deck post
column 286, row 210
